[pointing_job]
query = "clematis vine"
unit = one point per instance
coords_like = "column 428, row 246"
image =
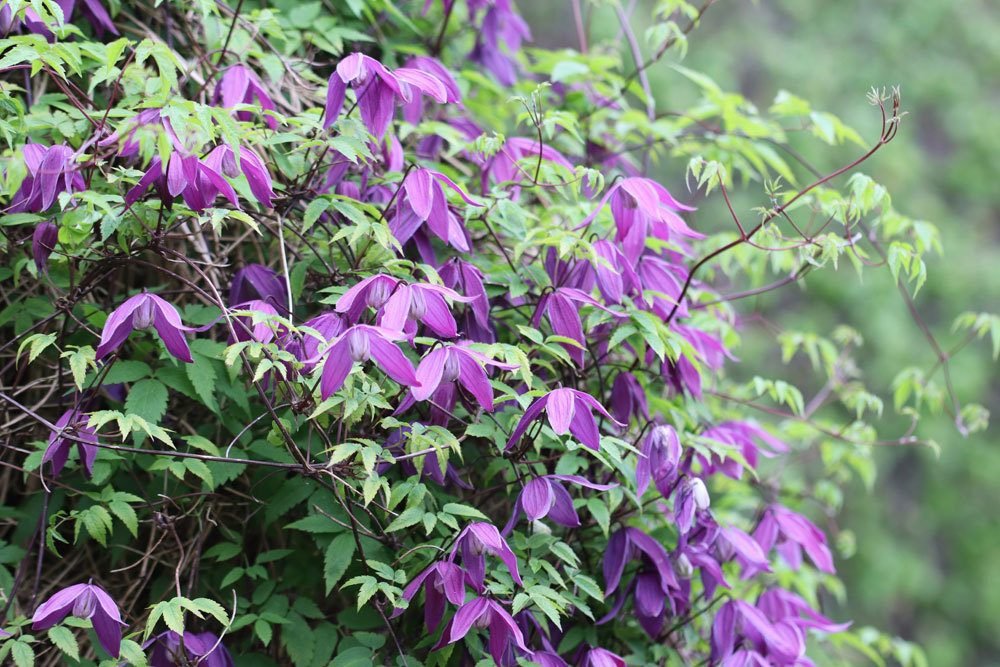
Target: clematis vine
column 477, row 538
column 240, row 85
column 791, row 533
column 358, row 344
column 564, row 316
column 43, row 243
column 143, row 311
column 566, row 410
column 489, row 615
column 85, row 601
column 423, row 203
column 442, row 582
column 69, row 430
column 448, row 365
column 546, row 496
column 51, row 171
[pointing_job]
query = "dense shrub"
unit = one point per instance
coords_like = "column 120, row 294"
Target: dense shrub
column 340, row 333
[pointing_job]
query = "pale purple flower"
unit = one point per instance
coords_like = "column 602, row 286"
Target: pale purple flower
column 422, row 202
column 378, row 89
column 743, row 635
column 546, row 496
column 468, row 279
column 459, row 363
column 498, row 39
column 240, row 85
column 143, row 311
column 358, row 344
column 489, row 615
column 692, row 498
column 442, row 581
column 658, row 458
column 559, row 306
column 566, row 410
column 399, row 302
column 191, row 177
column 479, row 537
column 628, row 543
column 255, row 327
column 744, row 436
column 642, row 208
column 327, row 325
column 43, row 243
column 255, row 281
column 614, row 272
column 84, row 601
column 130, row 146
column 599, row 657
column 199, row 648
column 222, row 158
column 791, row 533
column 71, row 429
column 92, row 10
column 779, row 604
column 51, row 170
column 628, row 398
column 745, row 550
column 413, row 110
column 662, row 285
column 517, row 161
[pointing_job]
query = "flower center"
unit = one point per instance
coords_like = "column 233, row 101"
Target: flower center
column 85, row 605
column 418, row 306
column 144, row 315
column 451, row 368
column 358, row 345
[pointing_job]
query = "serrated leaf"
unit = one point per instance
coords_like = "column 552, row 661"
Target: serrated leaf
column 336, row 560
column 64, row 640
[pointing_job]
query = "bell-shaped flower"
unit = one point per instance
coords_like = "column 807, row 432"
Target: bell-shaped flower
column 413, row 110
column 359, row 344
column 743, row 635
column 658, row 459
column 485, row 614
column 642, row 208
column 371, row 292
column 223, row 159
column 517, row 160
column 599, row 657
column 130, row 146
column 51, row 170
column 628, row 543
column 737, row 544
column 744, row 436
column 442, row 581
column 377, row 89
column 614, row 272
column 43, row 243
column 423, row 202
column 425, row 303
column 143, row 311
column 791, row 533
column 546, row 496
column 628, row 398
column 498, row 40
column 327, row 325
column 255, row 281
column 779, row 604
column 468, row 279
column 71, row 429
column 197, row 648
column 692, row 498
column 564, row 316
column 477, row 538
column 449, row 364
column 240, row 85
column 84, row 601
column 256, row 326
column 566, row 410
column 663, row 286
column 187, row 176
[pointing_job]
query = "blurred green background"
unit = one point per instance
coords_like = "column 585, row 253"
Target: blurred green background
column 927, row 559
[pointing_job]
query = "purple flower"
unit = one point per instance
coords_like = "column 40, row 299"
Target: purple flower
column 658, row 458
column 423, row 202
column 413, row 110
column 498, row 39
column 359, row 344
column 71, row 429
column 201, row 648
column 628, row 398
column 743, row 635
column 640, row 208
column 141, row 312
column 327, row 325
column 441, row 581
column 779, row 604
column 796, row 534
column 457, row 363
column 476, row 538
column 43, row 243
column 256, row 327
column 194, row 179
column 241, row 85
column 565, row 318
column 628, row 543
column 599, row 657
column 399, row 302
column 545, row 496
column 566, row 410
column 743, row 436
column 507, row 166
column 377, row 89
column 84, row 601
column 255, row 281
column 130, row 147
column 486, row 614
column 614, row 272
column 459, row 274
column 51, row 170
column 691, row 498
column 746, row 551
column 222, row 158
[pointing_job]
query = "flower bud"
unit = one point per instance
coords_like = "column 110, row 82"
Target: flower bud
column 700, row 493
column 683, row 567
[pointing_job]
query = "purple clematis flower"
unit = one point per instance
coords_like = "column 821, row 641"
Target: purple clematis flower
column 796, row 534
column 223, row 159
column 628, row 543
column 745, row 436
column 191, row 177
column 84, row 601
column 461, row 275
column 779, row 604
column 255, row 327
column 508, row 166
column 51, row 170
column 241, row 85
column 92, row 10
column 628, row 398
column 441, row 581
column 615, row 273
column 72, row 424
column 255, row 281
column 457, row 363
column 745, row 550
column 359, row 344
column 141, row 312
column 377, row 89
column 487, row 614
column 423, row 202
column 327, row 325
column 658, row 459
column 565, row 318
column 566, row 410
column 43, row 243
column 742, row 634
column 476, row 538
column 498, row 40
column 399, row 302
column 545, row 496
column 642, row 207
column 413, row 110
column 199, row 648
column 691, row 498
column 599, row 657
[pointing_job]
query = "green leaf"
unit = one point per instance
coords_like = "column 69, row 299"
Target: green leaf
column 336, row 560
column 64, row 640
column 148, row 399
column 406, row 519
column 126, row 515
column 23, row 654
column 203, row 378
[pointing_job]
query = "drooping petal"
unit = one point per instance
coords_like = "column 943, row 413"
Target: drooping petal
column 561, row 409
column 537, row 498
column 562, row 511
column 429, row 372
column 473, row 377
column 530, row 414
column 335, row 92
column 167, row 326
column 614, row 560
column 119, row 325
column 392, row 360
column 584, row 428
column 466, row 616
column 336, row 368
column 56, row 607
column 419, row 192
